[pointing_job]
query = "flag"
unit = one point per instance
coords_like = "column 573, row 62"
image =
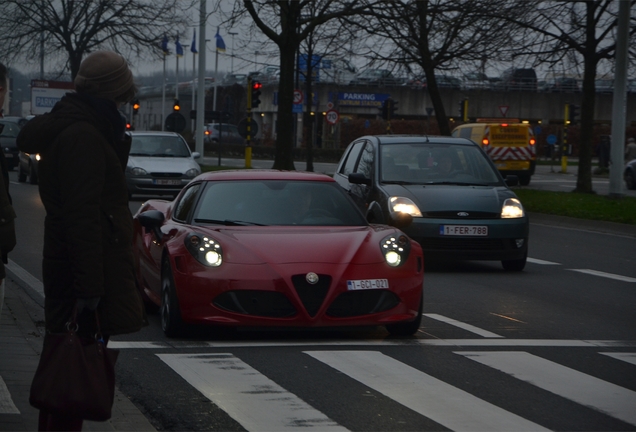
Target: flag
column 178, row 47
column 164, row 45
column 220, row 45
column 193, row 45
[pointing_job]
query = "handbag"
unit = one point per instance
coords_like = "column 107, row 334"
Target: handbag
column 76, row 375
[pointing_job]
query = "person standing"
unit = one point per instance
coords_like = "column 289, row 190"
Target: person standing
column 87, row 258
column 630, row 150
column 7, row 236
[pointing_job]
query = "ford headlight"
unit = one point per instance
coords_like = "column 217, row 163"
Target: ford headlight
column 512, row 209
column 404, row 205
column 395, row 249
column 192, row 172
column 205, row 249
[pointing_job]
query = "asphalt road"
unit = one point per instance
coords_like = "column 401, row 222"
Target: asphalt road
column 553, row 347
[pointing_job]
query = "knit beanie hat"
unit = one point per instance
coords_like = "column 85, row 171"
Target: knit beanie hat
column 106, row 74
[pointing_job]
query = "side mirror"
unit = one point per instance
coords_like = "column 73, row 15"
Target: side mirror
column 359, row 178
column 512, row 180
column 152, row 220
column 196, row 155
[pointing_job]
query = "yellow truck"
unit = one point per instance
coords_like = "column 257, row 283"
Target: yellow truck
column 511, row 146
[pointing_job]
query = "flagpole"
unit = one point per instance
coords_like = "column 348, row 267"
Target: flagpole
column 176, row 94
column 201, row 83
column 216, row 68
column 163, row 94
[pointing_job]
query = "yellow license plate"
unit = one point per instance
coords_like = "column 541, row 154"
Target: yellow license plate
column 513, row 165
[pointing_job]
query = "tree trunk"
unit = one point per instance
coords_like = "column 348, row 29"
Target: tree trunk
column 283, row 156
column 75, row 59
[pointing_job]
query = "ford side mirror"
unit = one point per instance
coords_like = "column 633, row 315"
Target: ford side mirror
column 359, row 178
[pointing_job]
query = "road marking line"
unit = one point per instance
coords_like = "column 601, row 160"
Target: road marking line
column 447, row 405
column 626, row 357
column 571, row 384
column 246, row 395
column 500, row 342
column 6, row 403
column 468, row 327
column 605, row 275
column 542, row 262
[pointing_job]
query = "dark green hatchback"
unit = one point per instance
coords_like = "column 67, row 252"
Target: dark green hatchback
column 444, row 192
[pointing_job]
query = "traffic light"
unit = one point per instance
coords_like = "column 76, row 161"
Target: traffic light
column 391, row 108
column 175, row 105
column 384, row 110
column 256, row 93
column 463, row 110
column 135, row 105
column 574, row 113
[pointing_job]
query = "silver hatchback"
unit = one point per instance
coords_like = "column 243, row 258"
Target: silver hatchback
column 160, row 163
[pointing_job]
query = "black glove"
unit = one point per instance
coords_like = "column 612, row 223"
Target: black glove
column 89, row 304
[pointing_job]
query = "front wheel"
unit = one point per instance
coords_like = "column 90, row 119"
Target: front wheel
column 630, row 180
column 514, row 265
column 171, row 322
column 33, row 177
column 408, row 328
column 21, row 174
column 524, row 180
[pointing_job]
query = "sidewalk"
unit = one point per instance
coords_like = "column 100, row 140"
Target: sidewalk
column 20, row 346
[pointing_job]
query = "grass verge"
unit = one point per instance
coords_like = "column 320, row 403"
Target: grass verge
column 579, row 205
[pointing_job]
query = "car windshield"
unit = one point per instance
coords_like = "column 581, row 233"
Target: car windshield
column 427, row 163
column 158, row 146
column 276, row 202
column 10, row 129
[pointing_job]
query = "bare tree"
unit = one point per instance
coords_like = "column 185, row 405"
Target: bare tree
column 558, row 29
column 429, row 36
column 77, row 27
column 285, row 23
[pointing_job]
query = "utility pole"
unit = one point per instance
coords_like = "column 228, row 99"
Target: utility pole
column 201, row 84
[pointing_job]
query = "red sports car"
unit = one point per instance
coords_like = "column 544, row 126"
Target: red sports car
column 274, row 248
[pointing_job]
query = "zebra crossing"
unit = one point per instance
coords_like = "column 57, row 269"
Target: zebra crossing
column 258, row 403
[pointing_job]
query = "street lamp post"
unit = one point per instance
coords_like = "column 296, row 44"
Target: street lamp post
column 232, row 57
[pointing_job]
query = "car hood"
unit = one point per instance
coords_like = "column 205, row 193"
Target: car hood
column 439, row 198
column 288, row 245
column 162, row 164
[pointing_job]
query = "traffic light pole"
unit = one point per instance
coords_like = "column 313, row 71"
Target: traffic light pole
column 248, row 148
column 564, row 148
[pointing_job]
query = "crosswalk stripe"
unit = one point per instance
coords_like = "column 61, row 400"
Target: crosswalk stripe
column 422, row 393
column 626, row 357
column 605, row 275
column 6, row 403
column 250, row 398
column 587, row 390
column 462, row 325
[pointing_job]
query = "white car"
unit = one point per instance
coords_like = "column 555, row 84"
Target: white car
column 160, row 163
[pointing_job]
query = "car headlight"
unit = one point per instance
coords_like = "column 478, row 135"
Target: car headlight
column 395, row 249
column 512, row 209
column 206, row 250
column 139, row 171
column 404, row 205
column 192, row 172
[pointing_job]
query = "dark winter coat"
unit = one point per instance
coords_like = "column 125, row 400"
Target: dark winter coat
column 7, row 217
column 88, row 227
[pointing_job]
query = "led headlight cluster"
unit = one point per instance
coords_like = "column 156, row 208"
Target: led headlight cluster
column 512, row 209
column 205, row 249
column 395, row 249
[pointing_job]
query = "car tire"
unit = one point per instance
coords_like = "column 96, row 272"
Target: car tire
column 171, row 322
column 524, row 180
column 408, row 328
column 514, row 265
column 21, row 175
column 630, row 180
column 33, row 177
